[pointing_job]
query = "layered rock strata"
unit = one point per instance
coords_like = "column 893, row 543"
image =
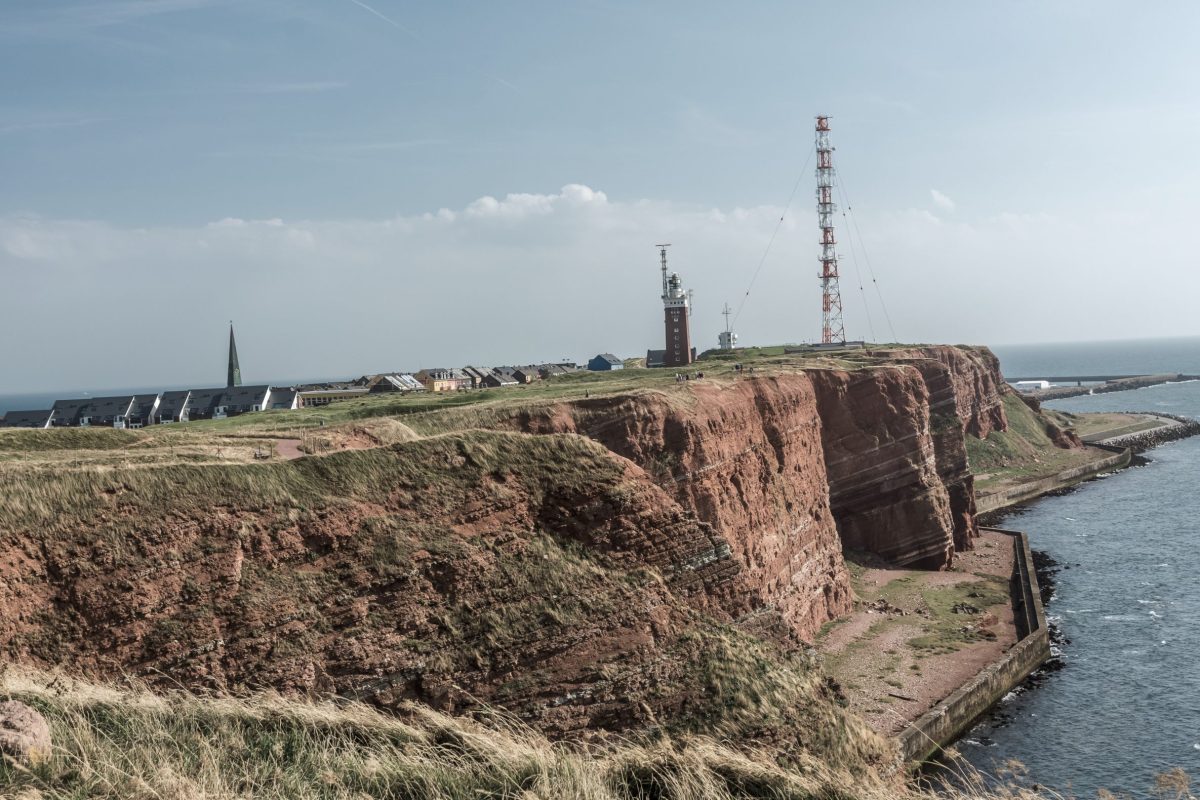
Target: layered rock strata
column 746, row 459
column 581, row 583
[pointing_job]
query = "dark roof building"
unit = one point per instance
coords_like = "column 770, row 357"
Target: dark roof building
column 524, row 374
column 605, row 362
column 142, row 410
column 88, row 411
column 27, row 419
column 656, row 358
column 172, row 407
column 67, row 413
column 507, row 372
column 476, row 376
column 498, row 380
column 555, row 369
column 202, row 404
column 243, row 400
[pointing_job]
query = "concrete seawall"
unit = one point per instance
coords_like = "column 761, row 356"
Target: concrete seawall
column 1027, row 491
column 946, row 721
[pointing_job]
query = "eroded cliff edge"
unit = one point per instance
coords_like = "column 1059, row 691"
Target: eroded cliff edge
column 607, row 562
column 795, row 466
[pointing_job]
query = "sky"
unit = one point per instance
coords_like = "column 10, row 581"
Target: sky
column 368, row 185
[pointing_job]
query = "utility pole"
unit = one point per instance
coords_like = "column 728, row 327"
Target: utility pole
column 832, row 329
column 726, row 338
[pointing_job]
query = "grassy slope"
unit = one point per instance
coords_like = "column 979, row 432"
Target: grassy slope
column 21, row 440
column 736, row 685
column 1024, row 452
column 129, row 743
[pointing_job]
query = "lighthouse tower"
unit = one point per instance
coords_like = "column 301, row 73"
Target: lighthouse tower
column 677, row 314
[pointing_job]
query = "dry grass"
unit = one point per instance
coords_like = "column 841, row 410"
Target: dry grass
column 128, row 743
column 26, row 440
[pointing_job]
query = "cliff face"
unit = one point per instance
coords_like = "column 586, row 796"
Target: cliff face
column 975, row 384
column 880, row 455
column 777, row 465
column 747, row 460
column 607, row 583
column 541, row 573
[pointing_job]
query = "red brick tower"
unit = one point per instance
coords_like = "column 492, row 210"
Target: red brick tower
column 677, row 314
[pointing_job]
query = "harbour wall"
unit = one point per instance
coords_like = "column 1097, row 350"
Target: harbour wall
column 995, row 501
column 1141, row 441
column 946, row 721
column 1117, row 384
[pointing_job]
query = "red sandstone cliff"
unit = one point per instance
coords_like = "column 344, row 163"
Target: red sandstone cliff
column 887, row 494
column 885, row 445
column 581, row 586
column 542, row 573
column 976, row 383
column 747, row 459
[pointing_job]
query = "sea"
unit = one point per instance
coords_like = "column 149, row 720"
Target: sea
column 1121, row 701
column 1132, row 357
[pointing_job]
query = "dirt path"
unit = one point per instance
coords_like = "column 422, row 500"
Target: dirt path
column 288, row 448
column 916, row 636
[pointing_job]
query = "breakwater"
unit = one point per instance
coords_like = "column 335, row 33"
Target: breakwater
column 1117, row 385
column 994, row 501
column 1142, row 441
column 946, row 721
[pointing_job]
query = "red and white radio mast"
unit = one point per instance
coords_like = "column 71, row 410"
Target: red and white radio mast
column 831, row 296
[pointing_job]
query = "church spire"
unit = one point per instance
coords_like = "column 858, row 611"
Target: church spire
column 234, row 377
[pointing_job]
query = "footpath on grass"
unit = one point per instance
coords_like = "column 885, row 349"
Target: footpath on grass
column 916, row 635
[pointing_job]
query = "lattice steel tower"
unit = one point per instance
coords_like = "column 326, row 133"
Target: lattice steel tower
column 831, row 296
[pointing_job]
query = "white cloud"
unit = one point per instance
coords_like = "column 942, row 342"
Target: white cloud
column 534, row 276
column 942, row 201
column 519, row 206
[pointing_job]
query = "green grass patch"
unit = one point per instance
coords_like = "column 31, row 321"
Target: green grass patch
column 948, row 630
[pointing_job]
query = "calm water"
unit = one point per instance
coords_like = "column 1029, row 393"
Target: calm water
column 1135, row 357
column 1127, row 600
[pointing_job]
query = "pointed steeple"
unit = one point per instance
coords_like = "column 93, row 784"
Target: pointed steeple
column 235, row 372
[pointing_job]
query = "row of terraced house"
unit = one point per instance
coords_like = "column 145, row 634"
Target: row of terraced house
column 139, row 410
column 187, row 405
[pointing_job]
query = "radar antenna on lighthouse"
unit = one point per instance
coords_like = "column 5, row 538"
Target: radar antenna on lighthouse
column 832, row 330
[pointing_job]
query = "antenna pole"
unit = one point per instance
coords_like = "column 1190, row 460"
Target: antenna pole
column 832, row 329
column 662, row 249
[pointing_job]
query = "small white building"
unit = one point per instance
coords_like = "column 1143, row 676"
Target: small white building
column 1031, row 386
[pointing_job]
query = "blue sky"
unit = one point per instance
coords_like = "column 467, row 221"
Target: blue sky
column 314, row 169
